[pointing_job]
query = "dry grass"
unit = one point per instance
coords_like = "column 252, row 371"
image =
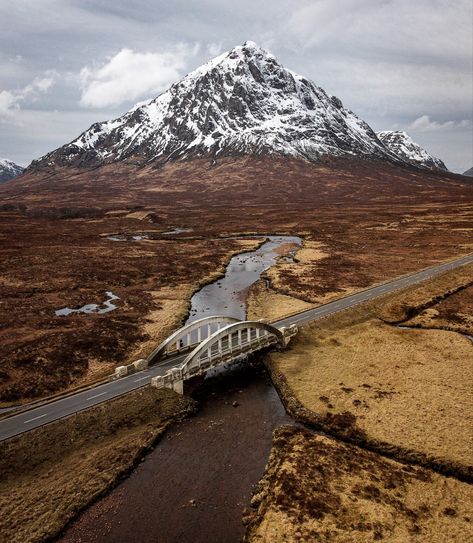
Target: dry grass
column 403, row 392
column 265, row 303
column 318, row 489
column 429, row 294
column 406, row 388
column 452, row 313
column 306, row 259
column 50, row 474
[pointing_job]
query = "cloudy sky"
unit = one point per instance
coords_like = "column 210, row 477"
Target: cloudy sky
column 398, row 64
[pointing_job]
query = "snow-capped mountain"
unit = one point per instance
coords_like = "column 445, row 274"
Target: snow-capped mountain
column 406, row 148
column 9, row 170
column 241, row 102
column 469, row 173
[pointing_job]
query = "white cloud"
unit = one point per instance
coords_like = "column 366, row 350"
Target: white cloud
column 214, row 49
column 425, row 124
column 10, row 101
column 131, row 75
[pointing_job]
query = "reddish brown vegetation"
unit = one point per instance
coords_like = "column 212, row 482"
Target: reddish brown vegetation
column 375, row 221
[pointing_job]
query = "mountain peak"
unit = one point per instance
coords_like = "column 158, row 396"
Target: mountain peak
column 243, row 101
column 249, row 49
column 400, row 143
column 9, row 170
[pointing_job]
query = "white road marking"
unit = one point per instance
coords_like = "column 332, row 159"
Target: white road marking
column 35, row 418
column 96, row 396
column 141, row 379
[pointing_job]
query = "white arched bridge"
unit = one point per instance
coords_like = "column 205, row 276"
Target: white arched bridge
column 211, row 342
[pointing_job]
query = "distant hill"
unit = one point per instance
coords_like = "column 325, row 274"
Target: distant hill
column 9, row 170
column 407, row 149
column 469, row 173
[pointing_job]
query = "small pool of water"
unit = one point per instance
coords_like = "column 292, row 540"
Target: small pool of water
column 122, row 237
column 177, row 230
column 105, row 307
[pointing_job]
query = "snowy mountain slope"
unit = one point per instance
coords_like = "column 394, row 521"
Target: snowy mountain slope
column 9, row 170
column 406, row 148
column 469, row 173
column 241, row 102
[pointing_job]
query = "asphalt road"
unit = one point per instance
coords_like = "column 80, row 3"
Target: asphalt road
column 38, row 416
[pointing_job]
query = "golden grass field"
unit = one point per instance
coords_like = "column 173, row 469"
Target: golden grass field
column 402, row 391
column 319, row 489
column 51, row 473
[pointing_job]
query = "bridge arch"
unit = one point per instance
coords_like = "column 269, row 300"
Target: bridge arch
column 200, row 329
column 254, row 334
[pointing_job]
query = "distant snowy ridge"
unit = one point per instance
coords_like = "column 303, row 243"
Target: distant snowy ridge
column 9, row 170
column 469, row 173
column 241, row 102
column 406, row 148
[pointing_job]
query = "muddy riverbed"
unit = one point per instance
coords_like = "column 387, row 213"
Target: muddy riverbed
column 196, row 483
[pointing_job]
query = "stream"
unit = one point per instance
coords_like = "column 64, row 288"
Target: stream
column 227, row 296
column 196, row 483
column 106, row 306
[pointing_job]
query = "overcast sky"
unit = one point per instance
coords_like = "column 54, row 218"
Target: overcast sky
column 398, row 64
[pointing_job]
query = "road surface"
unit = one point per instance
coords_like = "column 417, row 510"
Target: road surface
column 38, row 416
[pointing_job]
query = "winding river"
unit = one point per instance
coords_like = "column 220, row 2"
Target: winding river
column 227, row 296
column 196, row 483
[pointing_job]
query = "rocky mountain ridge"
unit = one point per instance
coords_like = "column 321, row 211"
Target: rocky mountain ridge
column 243, row 102
column 408, row 150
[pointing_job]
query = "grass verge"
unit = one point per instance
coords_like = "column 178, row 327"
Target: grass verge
column 50, row 474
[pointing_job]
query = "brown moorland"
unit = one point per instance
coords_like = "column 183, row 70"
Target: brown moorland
column 362, row 222
column 318, row 489
column 48, row 265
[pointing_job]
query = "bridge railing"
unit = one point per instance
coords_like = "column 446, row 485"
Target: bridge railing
column 226, row 345
column 187, row 337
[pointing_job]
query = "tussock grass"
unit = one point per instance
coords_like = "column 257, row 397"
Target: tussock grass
column 406, row 393
column 51, row 473
column 318, row 489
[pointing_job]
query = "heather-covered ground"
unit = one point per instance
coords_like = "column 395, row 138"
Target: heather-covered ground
column 361, row 222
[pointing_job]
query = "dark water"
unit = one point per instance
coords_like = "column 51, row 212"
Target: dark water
column 194, row 486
